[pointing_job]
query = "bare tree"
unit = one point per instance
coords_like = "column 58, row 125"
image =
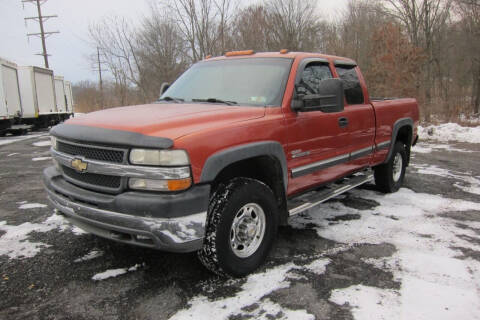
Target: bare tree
column 292, row 24
column 469, row 11
column 161, row 51
column 203, row 24
column 117, row 39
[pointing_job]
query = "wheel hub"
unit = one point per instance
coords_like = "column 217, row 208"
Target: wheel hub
column 397, row 167
column 247, row 231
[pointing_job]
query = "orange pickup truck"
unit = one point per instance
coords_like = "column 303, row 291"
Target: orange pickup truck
column 233, row 148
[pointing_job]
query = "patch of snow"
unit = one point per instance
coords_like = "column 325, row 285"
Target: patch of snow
column 450, row 132
column 421, row 148
column 12, row 154
column 41, row 158
column 429, row 147
column 369, row 303
column 32, row 205
column 270, row 310
column 90, row 256
column 43, row 143
column 256, row 287
column 435, row 282
column 470, row 189
column 111, row 273
column 468, row 183
column 14, row 242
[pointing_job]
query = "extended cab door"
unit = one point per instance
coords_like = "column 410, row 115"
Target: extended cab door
column 318, row 143
column 358, row 113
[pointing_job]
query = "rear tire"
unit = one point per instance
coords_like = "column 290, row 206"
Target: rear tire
column 389, row 176
column 241, row 227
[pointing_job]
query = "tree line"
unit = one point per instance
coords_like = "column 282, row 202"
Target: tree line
column 428, row 49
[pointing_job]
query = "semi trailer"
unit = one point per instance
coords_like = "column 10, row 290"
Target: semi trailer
column 61, row 98
column 37, row 91
column 69, row 97
column 10, row 102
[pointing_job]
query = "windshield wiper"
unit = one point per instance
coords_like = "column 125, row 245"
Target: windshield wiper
column 176, row 100
column 215, row 100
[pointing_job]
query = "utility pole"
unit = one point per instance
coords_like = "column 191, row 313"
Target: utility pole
column 42, row 34
column 100, row 82
column 97, row 63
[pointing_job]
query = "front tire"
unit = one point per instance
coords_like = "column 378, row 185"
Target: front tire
column 241, row 227
column 389, row 176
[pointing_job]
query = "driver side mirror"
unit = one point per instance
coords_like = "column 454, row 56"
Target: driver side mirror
column 330, row 97
column 164, row 87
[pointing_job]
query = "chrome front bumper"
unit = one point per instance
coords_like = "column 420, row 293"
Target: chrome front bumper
column 173, row 233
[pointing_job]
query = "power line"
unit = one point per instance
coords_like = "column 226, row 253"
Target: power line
column 42, row 34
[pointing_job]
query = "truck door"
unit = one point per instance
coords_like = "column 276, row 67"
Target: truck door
column 318, row 142
column 359, row 115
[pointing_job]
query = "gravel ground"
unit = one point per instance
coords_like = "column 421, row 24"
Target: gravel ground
column 414, row 254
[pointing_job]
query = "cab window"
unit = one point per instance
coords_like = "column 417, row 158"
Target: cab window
column 351, row 84
column 312, row 75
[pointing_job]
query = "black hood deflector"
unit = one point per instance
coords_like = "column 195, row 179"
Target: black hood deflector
column 110, row 137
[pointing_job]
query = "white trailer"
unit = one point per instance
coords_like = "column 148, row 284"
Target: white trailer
column 60, row 96
column 69, row 96
column 10, row 103
column 37, row 90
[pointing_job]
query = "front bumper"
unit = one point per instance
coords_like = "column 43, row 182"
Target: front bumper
column 169, row 222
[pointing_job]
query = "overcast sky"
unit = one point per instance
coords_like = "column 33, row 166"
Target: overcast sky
column 70, row 48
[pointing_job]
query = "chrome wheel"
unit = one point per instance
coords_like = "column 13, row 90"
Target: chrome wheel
column 247, row 231
column 397, row 167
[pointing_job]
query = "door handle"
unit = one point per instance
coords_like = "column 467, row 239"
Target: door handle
column 343, row 122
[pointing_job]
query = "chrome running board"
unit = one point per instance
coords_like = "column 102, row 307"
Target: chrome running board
column 312, row 199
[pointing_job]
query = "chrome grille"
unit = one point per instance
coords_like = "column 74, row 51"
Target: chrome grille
column 91, row 152
column 92, row 179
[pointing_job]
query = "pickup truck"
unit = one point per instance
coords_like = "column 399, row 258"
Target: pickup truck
column 233, row 148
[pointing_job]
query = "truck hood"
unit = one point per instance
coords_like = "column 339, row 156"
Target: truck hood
column 168, row 120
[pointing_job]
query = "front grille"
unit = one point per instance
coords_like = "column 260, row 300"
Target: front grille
column 93, row 179
column 94, row 153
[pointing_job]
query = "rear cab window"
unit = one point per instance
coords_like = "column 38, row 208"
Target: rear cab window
column 351, row 83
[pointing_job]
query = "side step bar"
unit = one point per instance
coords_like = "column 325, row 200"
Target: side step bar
column 312, row 199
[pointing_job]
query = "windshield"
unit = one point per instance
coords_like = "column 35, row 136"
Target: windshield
column 251, row 81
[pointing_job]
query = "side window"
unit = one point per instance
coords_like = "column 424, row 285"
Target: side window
column 351, row 84
column 313, row 74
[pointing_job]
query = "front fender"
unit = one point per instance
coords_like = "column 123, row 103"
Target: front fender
column 220, row 160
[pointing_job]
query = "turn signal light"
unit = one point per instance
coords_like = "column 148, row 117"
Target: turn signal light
column 179, row 184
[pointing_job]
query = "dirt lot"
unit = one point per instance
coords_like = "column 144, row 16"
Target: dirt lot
column 414, row 254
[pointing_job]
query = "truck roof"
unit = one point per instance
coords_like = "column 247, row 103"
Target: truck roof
column 280, row 54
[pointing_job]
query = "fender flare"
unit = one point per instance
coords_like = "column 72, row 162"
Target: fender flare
column 400, row 123
column 220, row 160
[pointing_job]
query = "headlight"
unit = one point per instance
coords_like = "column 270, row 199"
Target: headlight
column 53, row 141
column 159, row 157
column 159, row 185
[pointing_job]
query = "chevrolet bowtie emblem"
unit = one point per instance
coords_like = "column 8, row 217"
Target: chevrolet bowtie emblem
column 79, row 165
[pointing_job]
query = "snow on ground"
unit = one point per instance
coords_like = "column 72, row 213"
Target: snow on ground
column 31, row 205
column 12, row 154
column 15, row 243
column 423, row 147
column 450, row 132
column 469, row 183
column 436, row 282
column 112, row 273
column 12, row 139
column 256, row 287
column 42, row 143
column 41, row 158
column 90, row 256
